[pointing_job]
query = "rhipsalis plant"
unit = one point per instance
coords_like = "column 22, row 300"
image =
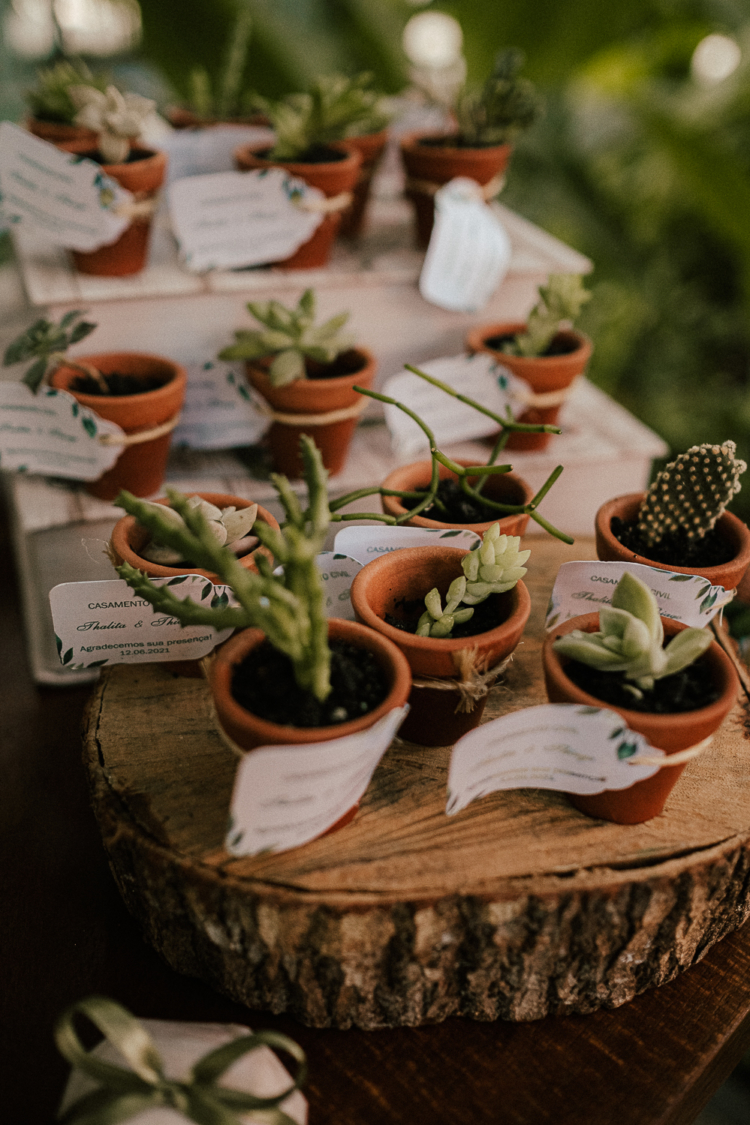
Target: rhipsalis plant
column 417, row 501
column 291, row 336
column 230, row 526
column 221, row 99
column 334, row 108
column 503, row 107
column 494, row 567
column 50, row 99
column 288, row 607
column 560, row 303
column 631, row 638
column 690, row 494
column 46, row 343
column 115, row 117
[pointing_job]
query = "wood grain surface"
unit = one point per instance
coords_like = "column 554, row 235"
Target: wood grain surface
column 519, row 907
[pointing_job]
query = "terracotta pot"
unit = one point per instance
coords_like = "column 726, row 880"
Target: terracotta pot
column 545, row 374
column 248, row 731
column 128, row 254
column 670, row 733
column 506, row 488
column 332, row 178
column 610, row 549
column 72, row 138
column 313, row 397
column 370, row 147
column 140, row 468
column 129, row 537
column 429, row 166
column 409, row 574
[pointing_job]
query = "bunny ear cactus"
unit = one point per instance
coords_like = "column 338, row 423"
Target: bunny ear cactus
column 289, row 607
column 560, row 302
column 494, row 567
column 291, row 336
column 630, row 639
column 691, row 493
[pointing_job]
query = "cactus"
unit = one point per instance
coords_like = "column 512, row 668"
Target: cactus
column 631, row 638
column 288, row 607
column 691, row 493
column 493, row 567
column 503, row 107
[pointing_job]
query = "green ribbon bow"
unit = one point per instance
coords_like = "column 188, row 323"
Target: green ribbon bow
column 125, row 1093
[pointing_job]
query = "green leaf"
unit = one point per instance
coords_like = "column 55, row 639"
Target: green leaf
column 634, row 596
column 89, row 426
column 177, row 581
column 68, row 656
column 626, row 750
column 681, row 578
column 287, row 367
column 58, row 644
column 451, row 535
column 81, row 331
column 35, row 375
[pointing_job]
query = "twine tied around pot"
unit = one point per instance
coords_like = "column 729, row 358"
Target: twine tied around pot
column 471, row 685
column 330, row 206
column 327, row 419
column 671, row 759
column 141, row 435
column 140, row 208
column 548, row 398
column 428, row 187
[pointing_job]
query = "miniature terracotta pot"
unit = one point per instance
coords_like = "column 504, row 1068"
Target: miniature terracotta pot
column 407, row 575
column 610, row 549
column 370, row 146
column 71, row 138
column 429, row 166
column 333, row 178
column 128, row 254
column 546, row 374
column 317, row 398
column 248, row 731
column 129, row 537
column 141, row 466
column 670, row 733
column 505, row 488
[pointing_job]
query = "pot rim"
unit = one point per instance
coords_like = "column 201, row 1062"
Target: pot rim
column 395, row 503
column 476, row 340
column 352, row 157
column 178, row 375
column 268, row 733
column 325, row 381
column 411, row 141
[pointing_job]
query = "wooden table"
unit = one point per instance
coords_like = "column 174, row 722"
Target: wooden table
column 65, row 934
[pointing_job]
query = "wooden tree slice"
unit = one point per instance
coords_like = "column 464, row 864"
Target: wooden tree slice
column 517, row 908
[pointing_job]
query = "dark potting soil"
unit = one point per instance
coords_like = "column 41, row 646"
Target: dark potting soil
column 487, row 615
column 688, row 690
column 118, row 384
column 453, row 140
column 345, row 363
column 315, row 154
column 264, row 684
column 558, row 345
column 133, row 157
column 461, row 508
column 675, row 549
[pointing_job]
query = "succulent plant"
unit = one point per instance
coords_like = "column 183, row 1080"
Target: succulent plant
column 50, row 99
column 288, row 606
column 503, row 107
column 560, row 301
column 220, row 99
column 47, row 343
column 230, row 526
column 691, row 493
column 115, row 118
column 334, row 108
column 291, row 336
column 493, row 567
column 631, row 638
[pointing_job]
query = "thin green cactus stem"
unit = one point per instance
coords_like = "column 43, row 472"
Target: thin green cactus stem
column 691, row 493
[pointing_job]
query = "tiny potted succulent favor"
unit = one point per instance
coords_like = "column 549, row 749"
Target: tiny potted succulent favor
column 681, row 523
column 53, row 111
column 675, row 694
column 141, row 393
column 306, row 127
column 546, row 351
column 488, row 121
column 306, row 374
column 289, row 677
column 117, row 120
column 457, row 616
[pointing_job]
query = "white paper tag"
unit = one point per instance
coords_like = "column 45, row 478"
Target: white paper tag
column 469, row 251
column 479, row 377
column 198, row 152
column 180, row 1045
column 365, row 542
column 232, row 219
column 583, row 587
column 218, row 412
column 285, row 796
column 561, row 746
column 51, row 433
column 68, row 199
column 106, row 622
column 337, row 571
